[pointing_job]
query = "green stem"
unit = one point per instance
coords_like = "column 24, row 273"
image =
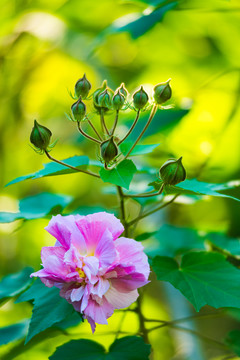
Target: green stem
column 86, row 135
column 71, row 167
column 115, row 123
column 152, row 211
column 193, row 317
column 153, row 112
column 149, row 194
column 122, row 207
column 190, row 331
column 94, row 129
column 142, row 329
column 131, row 128
column 103, row 122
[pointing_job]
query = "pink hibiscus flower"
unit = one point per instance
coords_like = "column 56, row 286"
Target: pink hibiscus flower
column 95, row 270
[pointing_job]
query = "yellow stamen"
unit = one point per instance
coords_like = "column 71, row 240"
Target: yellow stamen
column 81, row 273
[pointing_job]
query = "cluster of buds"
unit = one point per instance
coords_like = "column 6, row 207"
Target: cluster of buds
column 105, row 100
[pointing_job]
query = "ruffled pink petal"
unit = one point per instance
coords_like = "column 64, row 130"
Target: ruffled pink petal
column 131, row 253
column 105, row 250
column 92, row 228
column 64, row 229
column 129, row 282
column 91, row 265
column 77, row 294
column 72, row 257
column 120, row 300
column 99, row 312
column 101, row 287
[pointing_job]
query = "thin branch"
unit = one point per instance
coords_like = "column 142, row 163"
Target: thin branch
column 152, row 211
column 103, row 122
column 86, row 135
column 70, row 166
column 115, row 123
column 153, row 112
column 142, row 328
column 94, row 129
column 131, row 128
column 122, row 207
column 149, row 194
column 192, row 317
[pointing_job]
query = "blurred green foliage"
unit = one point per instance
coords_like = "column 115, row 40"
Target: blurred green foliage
column 45, row 46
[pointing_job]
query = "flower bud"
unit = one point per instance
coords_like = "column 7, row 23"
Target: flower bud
column 82, row 87
column 162, row 92
column 40, row 136
column 140, row 99
column 118, row 100
column 109, row 150
column 104, row 99
column 78, row 110
column 123, row 90
column 172, row 172
column 99, row 91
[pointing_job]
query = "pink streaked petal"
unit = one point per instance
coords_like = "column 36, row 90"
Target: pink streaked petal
column 101, row 287
column 129, row 282
column 47, row 251
column 77, row 294
column 92, row 264
column 72, row 257
column 54, row 265
column 120, row 300
column 64, row 229
column 92, row 323
column 93, row 226
column 99, row 313
column 85, row 298
column 105, row 249
column 131, row 253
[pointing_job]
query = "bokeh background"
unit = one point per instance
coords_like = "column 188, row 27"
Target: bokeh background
column 46, row 46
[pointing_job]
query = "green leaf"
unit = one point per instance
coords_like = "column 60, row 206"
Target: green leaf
column 49, row 308
column 233, row 341
column 190, row 187
column 127, row 348
column 138, row 150
column 203, row 278
column 13, row 332
column 145, row 236
column 53, row 169
column 171, row 240
column 13, row 284
column 37, row 206
column 141, row 23
column 122, row 175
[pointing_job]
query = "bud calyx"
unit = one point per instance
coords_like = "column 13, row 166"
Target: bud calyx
column 140, row 99
column 172, row 172
column 78, row 110
column 162, row 92
column 82, row 87
column 109, row 150
column 40, row 136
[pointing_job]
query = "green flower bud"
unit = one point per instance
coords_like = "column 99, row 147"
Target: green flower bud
column 82, row 87
column 140, row 99
column 104, row 99
column 162, row 92
column 123, row 90
column 99, row 91
column 172, row 172
column 118, row 100
column 40, row 136
column 109, row 150
column 78, row 110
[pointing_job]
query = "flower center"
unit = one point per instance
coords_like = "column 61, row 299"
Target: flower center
column 80, row 272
